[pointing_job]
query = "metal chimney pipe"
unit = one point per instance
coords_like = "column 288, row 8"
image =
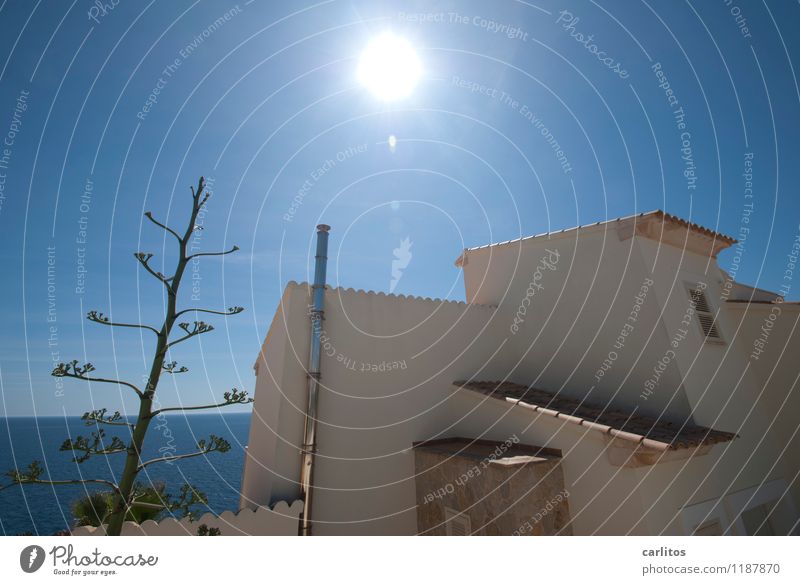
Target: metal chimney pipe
column 317, row 315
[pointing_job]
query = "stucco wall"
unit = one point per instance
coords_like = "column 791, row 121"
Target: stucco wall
column 280, row 520
column 278, row 411
column 603, row 499
column 592, row 329
column 776, row 371
column 387, row 367
column 389, row 362
column 722, row 387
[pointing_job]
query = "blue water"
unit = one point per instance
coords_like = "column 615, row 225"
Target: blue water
column 42, row 509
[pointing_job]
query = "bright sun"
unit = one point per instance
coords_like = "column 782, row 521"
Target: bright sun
column 389, row 67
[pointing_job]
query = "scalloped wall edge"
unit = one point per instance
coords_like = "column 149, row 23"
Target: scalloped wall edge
column 281, row 519
column 361, row 291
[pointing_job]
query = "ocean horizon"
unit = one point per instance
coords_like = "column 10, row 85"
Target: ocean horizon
column 45, row 510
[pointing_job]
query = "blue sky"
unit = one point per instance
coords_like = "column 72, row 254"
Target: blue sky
column 262, row 101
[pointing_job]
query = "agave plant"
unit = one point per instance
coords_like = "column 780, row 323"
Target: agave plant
column 129, row 500
column 93, row 509
column 150, row 503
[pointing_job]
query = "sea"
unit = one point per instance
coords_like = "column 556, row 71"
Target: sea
column 45, row 510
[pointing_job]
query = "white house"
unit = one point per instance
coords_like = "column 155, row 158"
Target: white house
column 605, row 379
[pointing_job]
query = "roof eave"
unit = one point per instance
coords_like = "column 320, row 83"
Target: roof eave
column 720, row 241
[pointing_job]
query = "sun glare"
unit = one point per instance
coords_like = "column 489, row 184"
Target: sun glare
column 389, row 67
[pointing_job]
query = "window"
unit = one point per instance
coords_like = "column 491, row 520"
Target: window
column 705, row 316
column 457, row 523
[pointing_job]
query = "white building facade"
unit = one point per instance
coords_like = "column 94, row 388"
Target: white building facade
column 623, row 345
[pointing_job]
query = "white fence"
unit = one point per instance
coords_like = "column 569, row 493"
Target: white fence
column 280, row 520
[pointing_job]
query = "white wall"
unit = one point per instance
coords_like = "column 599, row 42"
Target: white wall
column 776, row 372
column 575, row 320
column 278, row 410
column 371, row 413
column 723, row 388
column 280, row 520
column 364, row 471
column 602, row 498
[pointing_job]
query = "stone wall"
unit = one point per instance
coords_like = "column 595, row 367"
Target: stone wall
column 502, row 488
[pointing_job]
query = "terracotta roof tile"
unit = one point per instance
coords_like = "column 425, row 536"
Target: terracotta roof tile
column 656, row 213
column 694, row 226
column 651, row 432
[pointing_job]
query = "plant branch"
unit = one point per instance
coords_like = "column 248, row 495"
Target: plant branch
column 201, row 185
column 92, row 446
column 72, row 370
column 234, row 249
column 172, row 368
column 188, row 497
column 34, row 473
column 199, row 328
column 214, row 443
column 99, row 417
column 103, row 320
column 144, row 259
column 149, row 216
column 230, row 311
column 233, row 397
